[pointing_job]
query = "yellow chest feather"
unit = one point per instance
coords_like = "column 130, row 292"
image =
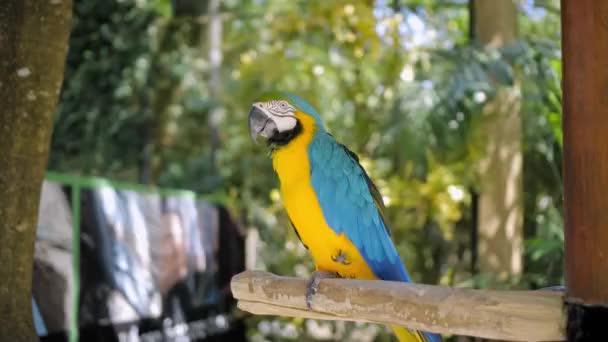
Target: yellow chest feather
column 331, row 252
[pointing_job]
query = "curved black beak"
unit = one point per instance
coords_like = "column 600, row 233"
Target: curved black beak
column 260, row 124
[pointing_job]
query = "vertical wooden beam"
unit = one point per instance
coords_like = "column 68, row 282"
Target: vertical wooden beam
column 585, row 124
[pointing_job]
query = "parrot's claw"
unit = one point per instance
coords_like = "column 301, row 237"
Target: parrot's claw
column 313, row 284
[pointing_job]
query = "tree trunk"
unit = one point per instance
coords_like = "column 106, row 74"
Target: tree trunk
column 214, row 47
column 33, row 45
column 500, row 214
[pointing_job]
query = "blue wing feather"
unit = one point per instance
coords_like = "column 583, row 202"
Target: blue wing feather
column 345, row 194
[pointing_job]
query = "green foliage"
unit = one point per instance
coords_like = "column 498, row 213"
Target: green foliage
column 397, row 82
column 100, row 109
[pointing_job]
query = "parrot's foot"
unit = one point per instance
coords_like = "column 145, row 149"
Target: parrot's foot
column 341, row 257
column 313, row 284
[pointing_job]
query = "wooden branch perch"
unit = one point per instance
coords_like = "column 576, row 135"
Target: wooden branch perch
column 505, row 315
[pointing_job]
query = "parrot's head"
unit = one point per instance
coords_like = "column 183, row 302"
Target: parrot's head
column 280, row 117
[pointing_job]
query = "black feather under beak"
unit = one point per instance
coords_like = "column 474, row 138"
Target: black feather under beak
column 261, row 124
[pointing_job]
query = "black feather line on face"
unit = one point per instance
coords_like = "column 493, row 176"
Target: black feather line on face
column 280, row 139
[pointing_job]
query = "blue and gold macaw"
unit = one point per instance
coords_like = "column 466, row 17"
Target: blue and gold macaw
column 334, row 206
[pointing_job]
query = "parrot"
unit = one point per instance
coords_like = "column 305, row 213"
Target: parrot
column 334, row 207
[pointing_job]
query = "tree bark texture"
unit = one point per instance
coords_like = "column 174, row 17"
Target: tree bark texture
column 33, row 45
column 500, row 212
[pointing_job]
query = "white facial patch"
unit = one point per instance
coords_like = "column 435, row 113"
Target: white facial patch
column 281, row 112
column 285, row 123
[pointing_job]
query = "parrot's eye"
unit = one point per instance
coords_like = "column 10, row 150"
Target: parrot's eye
column 283, row 105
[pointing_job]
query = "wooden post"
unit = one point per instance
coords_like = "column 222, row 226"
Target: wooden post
column 585, row 124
